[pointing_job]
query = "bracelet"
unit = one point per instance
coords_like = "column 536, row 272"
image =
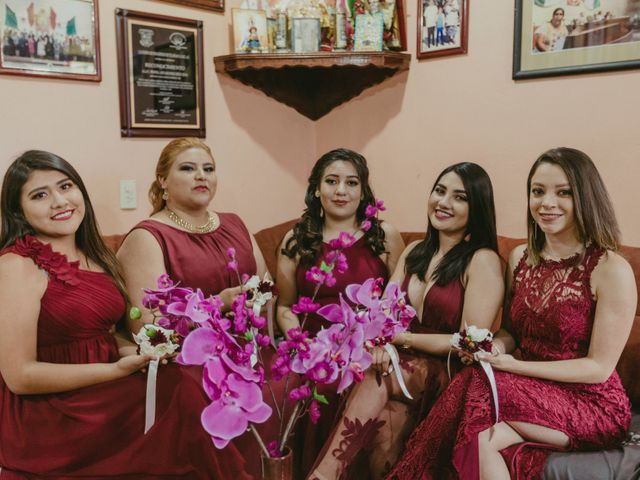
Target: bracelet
column 408, row 340
column 497, row 349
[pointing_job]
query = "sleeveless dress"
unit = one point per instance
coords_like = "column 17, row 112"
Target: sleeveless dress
column 96, row 432
column 552, row 313
column 199, row 260
column 441, row 314
column 363, row 264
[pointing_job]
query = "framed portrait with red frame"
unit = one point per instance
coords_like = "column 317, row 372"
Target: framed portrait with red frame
column 443, row 28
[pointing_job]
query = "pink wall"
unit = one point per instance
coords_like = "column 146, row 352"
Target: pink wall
column 257, row 142
column 467, row 108
column 410, row 127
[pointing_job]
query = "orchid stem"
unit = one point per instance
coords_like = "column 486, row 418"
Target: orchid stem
column 287, row 430
column 263, row 447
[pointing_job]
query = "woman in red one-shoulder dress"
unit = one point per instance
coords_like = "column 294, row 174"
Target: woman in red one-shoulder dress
column 70, row 405
column 571, row 306
column 452, row 277
column 336, row 198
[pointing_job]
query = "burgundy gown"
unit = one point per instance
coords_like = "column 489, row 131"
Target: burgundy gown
column 199, row 260
column 363, row 264
column 441, row 314
column 96, row 432
column 552, row 313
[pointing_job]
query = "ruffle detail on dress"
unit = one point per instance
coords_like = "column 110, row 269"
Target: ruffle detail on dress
column 56, row 264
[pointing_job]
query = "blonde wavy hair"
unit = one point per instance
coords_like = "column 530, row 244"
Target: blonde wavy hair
column 165, row 162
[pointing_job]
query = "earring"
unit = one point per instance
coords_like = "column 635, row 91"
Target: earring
column 165, row 195
column 317, row 194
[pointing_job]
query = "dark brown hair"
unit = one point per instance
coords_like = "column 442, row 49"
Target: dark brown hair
column 480, row 231
column 15, row 225
column 306, row 240
column 594, row 216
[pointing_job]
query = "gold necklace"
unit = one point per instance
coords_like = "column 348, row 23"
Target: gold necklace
column 211, row 225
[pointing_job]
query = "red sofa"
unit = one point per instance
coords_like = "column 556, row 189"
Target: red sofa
column 628, row 367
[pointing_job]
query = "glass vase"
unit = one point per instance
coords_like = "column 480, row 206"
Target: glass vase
column 280, row 468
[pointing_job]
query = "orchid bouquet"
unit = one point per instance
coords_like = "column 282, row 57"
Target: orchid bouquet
column 229, row 345
column 478, row 342
column 473, row 340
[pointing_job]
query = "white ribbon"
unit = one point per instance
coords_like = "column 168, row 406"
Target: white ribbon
column 396, row 369
column 150, row 406
column 492, row 381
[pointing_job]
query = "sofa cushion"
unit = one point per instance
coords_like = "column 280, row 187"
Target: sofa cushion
column 619, row 463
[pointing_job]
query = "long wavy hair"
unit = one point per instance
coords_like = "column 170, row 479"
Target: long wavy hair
column 306, row 241
column 480, row 231
column 594, row 216
column 167, row 157
column 15, row 225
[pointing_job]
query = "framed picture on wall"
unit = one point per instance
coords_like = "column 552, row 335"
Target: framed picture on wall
column 443, row 27
column 249, row 30
column 562, row 37
column 50, row 38
column 160, row 75
column 216, row 5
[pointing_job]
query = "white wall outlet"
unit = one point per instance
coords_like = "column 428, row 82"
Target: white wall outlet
column 128, row 195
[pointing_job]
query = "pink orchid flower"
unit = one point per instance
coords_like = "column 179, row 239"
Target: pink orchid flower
column 239, row 403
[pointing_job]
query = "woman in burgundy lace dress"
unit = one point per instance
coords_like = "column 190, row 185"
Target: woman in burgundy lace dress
column 70, row 405
column 337, row 196
column 452, row 277
column 570, row 309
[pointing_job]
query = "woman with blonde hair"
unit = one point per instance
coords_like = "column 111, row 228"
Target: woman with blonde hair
column 186, row 240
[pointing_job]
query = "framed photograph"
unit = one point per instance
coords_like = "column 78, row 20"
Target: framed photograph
column 50, row 38
column 250, row 30
column 369, row 32
column 305, row 35
column 443, row 27
column 563, row 37
column 160, row 75
column 216, row 5
column 395, row 35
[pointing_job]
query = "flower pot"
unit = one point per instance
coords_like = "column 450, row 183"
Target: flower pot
column 280, row 468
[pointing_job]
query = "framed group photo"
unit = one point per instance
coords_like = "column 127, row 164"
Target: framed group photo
column 216, row 5
column 562, row 37
column 160, row 75
column 50, row 38
column 443, row 27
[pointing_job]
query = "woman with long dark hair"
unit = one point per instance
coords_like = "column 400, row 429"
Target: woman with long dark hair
column 570, row 305
column 336, row 199
column 70, row 405
column 453, row 277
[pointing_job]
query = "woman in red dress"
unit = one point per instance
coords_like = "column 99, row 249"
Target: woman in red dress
column 70, row 405
column 453, row 277
column 188, row 241
column 337, row 196
column 571, row 303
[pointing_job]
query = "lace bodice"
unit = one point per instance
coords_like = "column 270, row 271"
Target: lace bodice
column 553, row 307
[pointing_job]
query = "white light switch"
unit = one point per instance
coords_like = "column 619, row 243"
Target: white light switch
column 128, row 195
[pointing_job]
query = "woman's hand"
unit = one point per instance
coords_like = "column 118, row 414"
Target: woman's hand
column 228, row 295
column 501, row 361
column 132, row 363
column 381, row 361
column 465, row 357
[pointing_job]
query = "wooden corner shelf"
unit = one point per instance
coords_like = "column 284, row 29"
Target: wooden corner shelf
column 313, row 83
